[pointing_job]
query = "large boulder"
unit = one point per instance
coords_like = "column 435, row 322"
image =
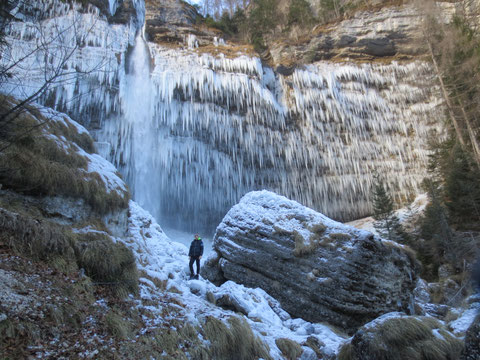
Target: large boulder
column 319, row 269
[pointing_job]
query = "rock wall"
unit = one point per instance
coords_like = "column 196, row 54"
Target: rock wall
column 193, row 132
column 388, row 32
column 319, row 270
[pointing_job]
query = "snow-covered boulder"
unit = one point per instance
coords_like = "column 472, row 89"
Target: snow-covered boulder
column 319, row 269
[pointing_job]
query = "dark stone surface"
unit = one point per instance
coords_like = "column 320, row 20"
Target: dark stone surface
column 472, row 341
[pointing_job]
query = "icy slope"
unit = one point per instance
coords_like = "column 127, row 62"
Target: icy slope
column 163, row 259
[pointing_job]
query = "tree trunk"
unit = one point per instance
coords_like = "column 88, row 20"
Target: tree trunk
column 472, row 135
column 445, row 94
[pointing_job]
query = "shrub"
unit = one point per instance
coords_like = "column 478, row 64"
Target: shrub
column 109, row 263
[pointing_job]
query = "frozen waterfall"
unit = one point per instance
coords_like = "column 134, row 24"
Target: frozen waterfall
column 218, row 128
column 192, row 133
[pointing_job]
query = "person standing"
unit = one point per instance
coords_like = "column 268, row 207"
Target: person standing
column 195, row 253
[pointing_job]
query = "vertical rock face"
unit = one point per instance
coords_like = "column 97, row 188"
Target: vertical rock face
column 318, row 269
column 193, row 132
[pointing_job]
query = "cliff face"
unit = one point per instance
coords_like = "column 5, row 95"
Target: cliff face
column 192, row 131
column 388, row 33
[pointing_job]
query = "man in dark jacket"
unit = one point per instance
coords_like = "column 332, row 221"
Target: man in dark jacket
column 195, row 253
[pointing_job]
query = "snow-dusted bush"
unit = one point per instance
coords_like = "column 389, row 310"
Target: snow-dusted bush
column 396, row 337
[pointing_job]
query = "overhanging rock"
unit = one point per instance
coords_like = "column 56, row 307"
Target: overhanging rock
column 319, row 269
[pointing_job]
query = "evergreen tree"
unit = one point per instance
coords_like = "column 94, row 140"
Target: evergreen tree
column 262, row 20
column 462, row 187
column 387, row 223
column 300, row 13
column 435, row 228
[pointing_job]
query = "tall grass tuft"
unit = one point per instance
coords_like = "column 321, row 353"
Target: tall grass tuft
column 109, row 263
column 413, row 338
column 36, row 162
column 289, row 348
column 234, row 342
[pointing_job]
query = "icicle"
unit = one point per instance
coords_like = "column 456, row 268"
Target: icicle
column 193, row 133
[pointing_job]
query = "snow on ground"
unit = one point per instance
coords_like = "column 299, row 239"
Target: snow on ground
column 167, row 260
column 403, row 214
column 461, row 325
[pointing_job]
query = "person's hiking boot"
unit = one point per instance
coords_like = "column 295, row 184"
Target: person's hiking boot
column 196, row 277
column 192, row 276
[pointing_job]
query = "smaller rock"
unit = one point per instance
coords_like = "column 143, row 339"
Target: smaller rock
column 445, row 271
column 421, row 292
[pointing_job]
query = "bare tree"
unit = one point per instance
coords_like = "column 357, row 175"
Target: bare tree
column 453, row 50
column 28, row 73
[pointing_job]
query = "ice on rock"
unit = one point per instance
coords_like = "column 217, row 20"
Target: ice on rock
column 461, row 325
column 193, row 133
column 156, row 254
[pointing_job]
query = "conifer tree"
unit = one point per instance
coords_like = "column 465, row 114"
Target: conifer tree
column 387, row 223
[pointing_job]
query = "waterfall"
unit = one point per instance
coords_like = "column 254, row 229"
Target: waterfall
column 137, row 125
column 221, row 127
column 192, row 133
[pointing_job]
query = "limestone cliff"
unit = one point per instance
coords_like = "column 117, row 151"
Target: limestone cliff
column 222, row 122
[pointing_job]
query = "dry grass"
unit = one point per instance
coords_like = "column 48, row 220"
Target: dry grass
column 405, row 338
column 109, row 263
column 318, row 229
column 412, row 256
column 289, row 348
column 346, row 352
column 103, row 260
column 340, row 237
column 230, row 51
column 36, row 164
column 234, row 342
column 211, row 298
column 117, row 325
column 34, row 238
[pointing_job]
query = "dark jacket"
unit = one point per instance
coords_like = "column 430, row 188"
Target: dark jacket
column 196, row 248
